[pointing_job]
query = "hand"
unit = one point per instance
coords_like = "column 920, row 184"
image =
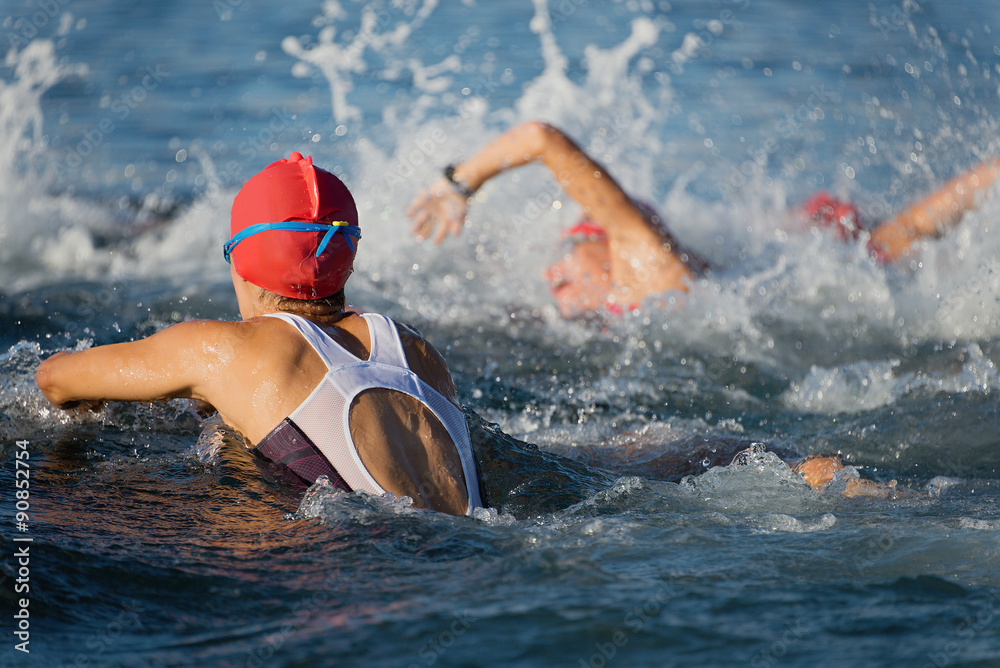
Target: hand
column 440, row 207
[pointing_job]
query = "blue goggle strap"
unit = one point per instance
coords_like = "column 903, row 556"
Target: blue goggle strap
column 330, row 229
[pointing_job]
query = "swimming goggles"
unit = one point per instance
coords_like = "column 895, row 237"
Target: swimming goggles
column 582, row 231
column 330, row 228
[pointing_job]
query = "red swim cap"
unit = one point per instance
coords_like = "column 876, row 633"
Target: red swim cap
column 585, row 230
column 286, row 262
column 827, row 211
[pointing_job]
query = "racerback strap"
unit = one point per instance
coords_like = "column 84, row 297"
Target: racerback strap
column 324, row 416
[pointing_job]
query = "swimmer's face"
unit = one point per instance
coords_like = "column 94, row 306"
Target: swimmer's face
column 581, row 280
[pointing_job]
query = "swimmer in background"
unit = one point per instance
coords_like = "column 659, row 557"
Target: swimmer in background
column 623, row 252
column 317, row 389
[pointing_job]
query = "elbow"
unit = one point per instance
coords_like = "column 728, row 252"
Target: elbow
column 539, row 138
column 541, row 128
column 553, row 147
column 542, row 134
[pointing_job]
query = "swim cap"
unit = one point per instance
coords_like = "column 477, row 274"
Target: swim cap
column 292, row 226
column 585, row 230
column 827, row 211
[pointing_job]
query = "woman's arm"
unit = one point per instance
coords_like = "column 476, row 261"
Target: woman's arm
column 934, row 213
column 169, row 364
column 443, row 207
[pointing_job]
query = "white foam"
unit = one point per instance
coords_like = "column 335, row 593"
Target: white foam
column 940, row 484
column 28, row 214
column 756, row 482
column 22, row 402
column 853, row 388
column 779, row 522
column 867, row 385
column 493, row 518
column 769, row 278
column 978, row 524
column 20, row 398
column 213, row 438
column 336, row 61
column 331, row 504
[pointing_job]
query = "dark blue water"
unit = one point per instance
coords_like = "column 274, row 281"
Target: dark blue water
column 156, row 541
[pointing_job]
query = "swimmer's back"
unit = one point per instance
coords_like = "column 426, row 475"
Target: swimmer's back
column 403, row 445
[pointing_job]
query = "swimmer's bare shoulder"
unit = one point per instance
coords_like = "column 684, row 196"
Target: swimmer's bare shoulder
column 253, row 372
column 425, row 361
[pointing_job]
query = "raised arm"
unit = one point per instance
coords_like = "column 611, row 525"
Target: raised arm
column 936, row 212
column 443, row 205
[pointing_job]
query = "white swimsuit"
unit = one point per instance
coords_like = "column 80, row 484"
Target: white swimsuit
column 316, row 438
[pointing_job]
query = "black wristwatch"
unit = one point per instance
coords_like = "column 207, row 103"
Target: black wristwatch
column 463, row 190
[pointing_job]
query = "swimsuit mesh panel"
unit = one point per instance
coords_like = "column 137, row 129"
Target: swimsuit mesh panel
column 324, row 415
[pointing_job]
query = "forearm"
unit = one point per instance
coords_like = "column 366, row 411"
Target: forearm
column 516, row 147
column 443, row 206
column 167, row 365
column 106, row 373
column 580, row 176
column 534, row 141
column 935, row 212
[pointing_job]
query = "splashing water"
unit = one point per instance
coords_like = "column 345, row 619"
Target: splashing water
column 629, row 529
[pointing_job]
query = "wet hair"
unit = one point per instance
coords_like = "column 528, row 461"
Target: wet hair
column 306, row 307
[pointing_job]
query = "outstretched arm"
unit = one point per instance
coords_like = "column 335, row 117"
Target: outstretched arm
column 169, row 364
column 443, row 207
column 936, row 212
